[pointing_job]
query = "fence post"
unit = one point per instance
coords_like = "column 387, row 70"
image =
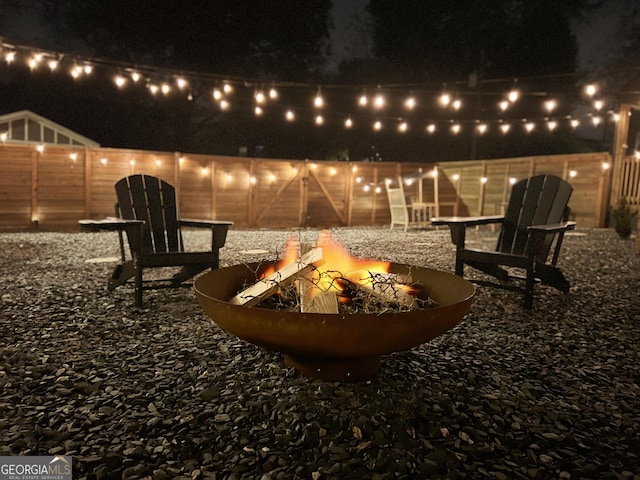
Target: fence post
column 619, row 150
column 35, row 157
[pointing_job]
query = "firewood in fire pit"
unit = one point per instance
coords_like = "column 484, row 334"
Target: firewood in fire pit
column 386, row 287
column 314, row 300
column 267, row 286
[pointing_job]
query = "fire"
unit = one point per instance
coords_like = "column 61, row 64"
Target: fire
column 337, row 267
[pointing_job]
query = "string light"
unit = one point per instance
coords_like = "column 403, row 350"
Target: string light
column 181, row 83
column 80, row 67
column 550, row 105
column 513, row 95
column 410, row 103
column 120, row 81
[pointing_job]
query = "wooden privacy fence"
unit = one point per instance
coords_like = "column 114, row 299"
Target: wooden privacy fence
column 55, row 188
column 626, row 183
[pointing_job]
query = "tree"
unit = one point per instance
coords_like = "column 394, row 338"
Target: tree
column 265, row 41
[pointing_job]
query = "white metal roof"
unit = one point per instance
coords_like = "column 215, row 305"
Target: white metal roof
column 25, row 126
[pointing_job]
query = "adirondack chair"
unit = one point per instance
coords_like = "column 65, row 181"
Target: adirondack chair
column 535, row 222
column 147, row 211
column 397, row 205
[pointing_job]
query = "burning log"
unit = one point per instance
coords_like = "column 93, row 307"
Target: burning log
column 385, row 287
column 267, row 286
column 312, row 298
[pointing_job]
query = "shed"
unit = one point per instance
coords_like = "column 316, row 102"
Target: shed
column 24, row 126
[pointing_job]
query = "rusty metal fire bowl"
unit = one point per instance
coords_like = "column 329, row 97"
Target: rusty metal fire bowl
column 334, row 347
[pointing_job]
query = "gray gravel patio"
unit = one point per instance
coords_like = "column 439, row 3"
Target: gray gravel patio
column 161, row 392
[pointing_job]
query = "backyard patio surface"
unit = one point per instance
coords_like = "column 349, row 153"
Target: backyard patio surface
column 161, row 392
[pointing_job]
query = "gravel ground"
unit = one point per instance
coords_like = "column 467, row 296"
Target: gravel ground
column 161, row 392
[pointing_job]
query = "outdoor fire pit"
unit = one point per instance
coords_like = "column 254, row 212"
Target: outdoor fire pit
column 335, row 346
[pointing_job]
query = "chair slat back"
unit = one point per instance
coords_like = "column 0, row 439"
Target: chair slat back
column 147, row 198
column 539, row 200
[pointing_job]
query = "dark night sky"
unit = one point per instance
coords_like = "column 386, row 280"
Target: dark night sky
column 598, row 36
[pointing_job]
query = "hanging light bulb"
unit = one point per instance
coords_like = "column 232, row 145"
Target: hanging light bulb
column 227, row 88
column 319, row 120
column 224, row 105
column 165, row 88
column 482, row 128
column 258, row 111
column 379, row 101
column 377, row 125
column 260, row 98
column 10, row 57
column 529, row 126
column 513, row 95
column 504, row 104
column 410, row 103
column 598, row 104
column 181, row 83
column 552, row 125
column 76, row 71
column 348, row 123
column 403, row 127
column 273, row 93
column 457, row 103
column 455, row 128
column 591, row 89
column 596, row 120
column 153, row 88
column 318, row 101
column 135, row 76
column 217, row 94
column 445, row 99
column 290, row 116
column 550, row 105
column 431, row 128
column 120, row 81
column 363, row 100
column 575, row 123
column 87, row 69
column 53, row 64
column 505, row 127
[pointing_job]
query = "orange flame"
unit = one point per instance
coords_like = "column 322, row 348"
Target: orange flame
column 337, row 265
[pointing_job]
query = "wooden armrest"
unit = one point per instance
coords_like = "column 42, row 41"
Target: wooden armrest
column 109, row 224
column 553, row 228
column 191, row 222
column 467, row 221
